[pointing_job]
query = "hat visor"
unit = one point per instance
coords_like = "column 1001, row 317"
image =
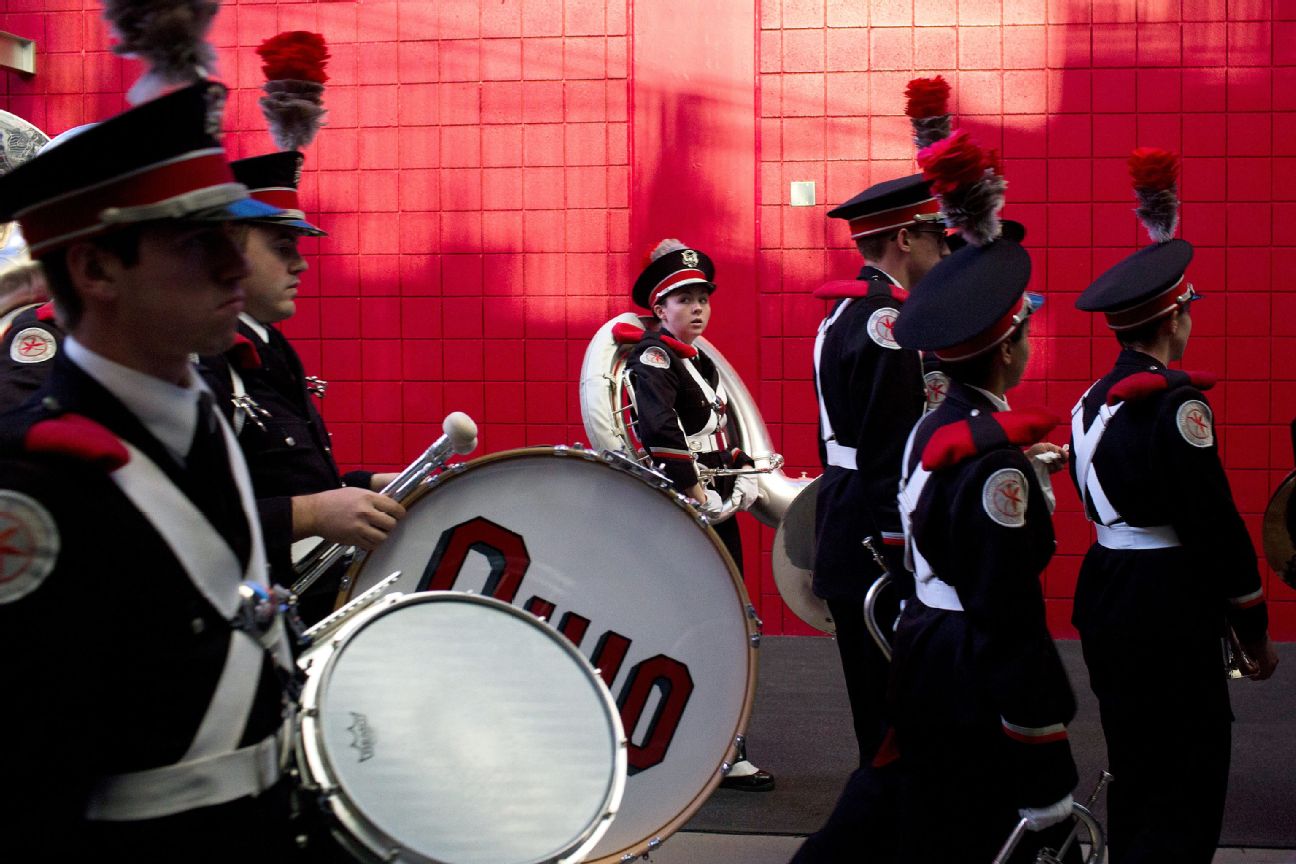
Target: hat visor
column 236, row 211
column 301, row 226
column 1035, row 300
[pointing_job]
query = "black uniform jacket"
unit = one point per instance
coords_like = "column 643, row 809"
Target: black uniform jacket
column 669, row 403
column 24, row 366
column 873, row 393
column 111, row 661
column 985, row 682
column 288, row 452
column 1158, row 463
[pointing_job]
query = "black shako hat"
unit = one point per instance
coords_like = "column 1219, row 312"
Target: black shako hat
column 1142, row 287
column 889, row 205
column 969, row 302
column 160, row 160
column 671, row 271
column 273, row 179
column 1009, row 229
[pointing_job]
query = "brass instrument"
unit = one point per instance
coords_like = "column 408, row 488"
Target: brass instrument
column 1083, row 814
column 1237, row 662
column 460, row 437
column 871, row 599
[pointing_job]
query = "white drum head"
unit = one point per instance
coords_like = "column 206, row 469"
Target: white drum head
column 458, row 730
column 631, row 577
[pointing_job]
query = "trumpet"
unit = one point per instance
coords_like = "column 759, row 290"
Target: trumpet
column 460, row 437
column 871, row 598
column 1083, row 814
column 774, row 461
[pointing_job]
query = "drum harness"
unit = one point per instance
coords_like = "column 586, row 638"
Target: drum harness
column 214, row 769
column 1113, row 531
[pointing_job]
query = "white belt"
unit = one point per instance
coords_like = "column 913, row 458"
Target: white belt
column 1123, row 536
column 936, row 594
column 712, row 443
column 840, row 455
column 158, row 792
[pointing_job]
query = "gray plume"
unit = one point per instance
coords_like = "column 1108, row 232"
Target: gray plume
column 169, row 35
column 928, row 130
column 1158, row 210
column 974, row 210
column 295, row 111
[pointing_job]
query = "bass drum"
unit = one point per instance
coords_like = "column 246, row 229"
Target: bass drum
column 412, row 720
column 626, row 570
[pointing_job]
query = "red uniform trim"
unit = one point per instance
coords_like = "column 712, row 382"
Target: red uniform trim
column 1140, row 385
column 45, row 311
column 888, row 752
column 245, row 353
column 80, row 437
column 629, row 334
column 986, row 339
column 1035, row 739
column 1149, row 310
column 855, row 288
column 951, row 444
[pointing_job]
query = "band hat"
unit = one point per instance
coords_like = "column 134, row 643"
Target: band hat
column 273, row 179
column 1011, row 229
column 1142, row 287
column 969, row 302
column 887, row 206
column 671, row 271
column 160, row 160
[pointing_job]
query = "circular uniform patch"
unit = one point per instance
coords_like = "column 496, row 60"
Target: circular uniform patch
column 880, row 324
column 33, row 345
column 1004, row 497
column 655, row 357
column 935, row 386
column 29, row 545
column 1195, row 425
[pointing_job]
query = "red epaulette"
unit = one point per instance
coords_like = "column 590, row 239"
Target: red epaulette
column 628, row 334
column 45, row 311
column 1140, row 385
column 841, row 288
column 245, row 353
column 955, row 442
column 79, row 437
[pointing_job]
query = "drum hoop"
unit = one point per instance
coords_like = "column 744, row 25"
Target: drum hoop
column 315, row 763
column 750, row 620
column 1278, row 547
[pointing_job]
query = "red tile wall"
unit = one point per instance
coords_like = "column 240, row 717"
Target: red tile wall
column 485, row 183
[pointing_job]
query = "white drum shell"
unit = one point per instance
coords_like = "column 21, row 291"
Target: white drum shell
column 607, row 545
column 452, row 729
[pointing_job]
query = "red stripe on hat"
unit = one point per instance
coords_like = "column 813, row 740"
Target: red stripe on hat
column 79, row 212
column 896, row 217
column 986, row 339
column 1149, row 310
column 277, row 196
column 672, row 281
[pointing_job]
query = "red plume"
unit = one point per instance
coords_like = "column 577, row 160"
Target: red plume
column 296, row 54
column 1155, row 173
column 927, row 97
column 968, row 182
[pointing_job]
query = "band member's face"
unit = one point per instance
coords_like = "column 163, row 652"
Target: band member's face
column 1183, row 328
column 183, row 295
column 276, row 264
column 1020, row 356
column 685, row 312
column 927, row 247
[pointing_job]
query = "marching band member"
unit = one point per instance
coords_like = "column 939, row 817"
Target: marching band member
column 260, row 382
column 263, row 389
column 1173, row 562
column 979, row 697
column 680, row 406
column 870, row 395
column 152, row 687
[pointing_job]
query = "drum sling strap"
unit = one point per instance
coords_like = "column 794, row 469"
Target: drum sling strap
column 839, row 455
column 711, row 437
column 934, row 592
column 1113, row 531
column 214, row 769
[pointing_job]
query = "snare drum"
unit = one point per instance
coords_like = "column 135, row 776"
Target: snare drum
column 453, row 729
column 631, row 575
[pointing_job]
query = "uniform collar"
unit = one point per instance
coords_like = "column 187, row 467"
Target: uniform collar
column 167, row 411
column 1000, row 403
column 256, row 327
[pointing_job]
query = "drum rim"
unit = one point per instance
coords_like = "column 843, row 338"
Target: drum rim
column 361, row 831
column 750, row 621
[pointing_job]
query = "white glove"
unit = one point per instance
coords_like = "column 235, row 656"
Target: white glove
column 1037, row 819
column 713, row 503
column 746, row 491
